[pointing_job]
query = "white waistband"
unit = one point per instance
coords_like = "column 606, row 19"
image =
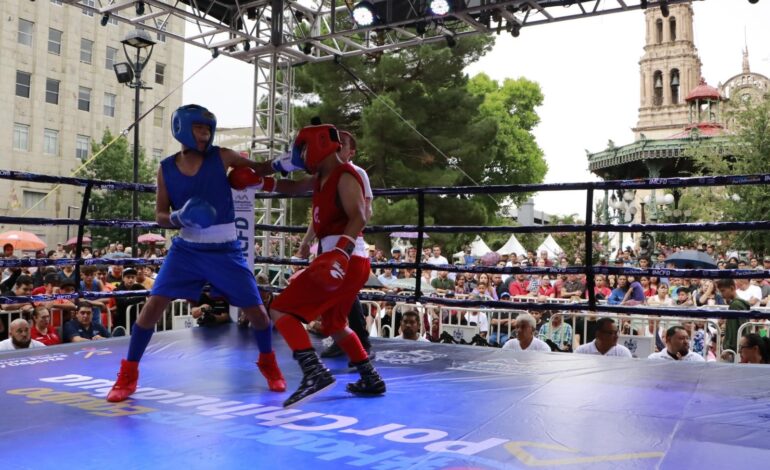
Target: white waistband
column 328, row 243
column 215, row 234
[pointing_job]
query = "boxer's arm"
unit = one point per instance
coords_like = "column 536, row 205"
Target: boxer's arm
column 349, row 191
column 232, row 159
column 162, row 203
column 287, row 186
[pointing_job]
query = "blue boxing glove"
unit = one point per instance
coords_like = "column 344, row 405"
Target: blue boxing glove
column 289, row 161
column 196, row 213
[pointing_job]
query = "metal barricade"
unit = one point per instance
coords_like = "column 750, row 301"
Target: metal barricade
column 176, row 316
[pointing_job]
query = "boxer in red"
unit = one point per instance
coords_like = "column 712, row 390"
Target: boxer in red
column 329, row 286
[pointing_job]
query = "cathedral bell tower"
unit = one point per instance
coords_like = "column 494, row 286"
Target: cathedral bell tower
column 670, row 68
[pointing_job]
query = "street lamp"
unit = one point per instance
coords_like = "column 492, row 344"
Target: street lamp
column 130, row 73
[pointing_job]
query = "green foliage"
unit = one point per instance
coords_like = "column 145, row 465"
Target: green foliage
column 482, row 130
column 117, row 164
column 748, row 152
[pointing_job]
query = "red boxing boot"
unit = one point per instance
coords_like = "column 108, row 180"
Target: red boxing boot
column 128, row 376
column 269, row 368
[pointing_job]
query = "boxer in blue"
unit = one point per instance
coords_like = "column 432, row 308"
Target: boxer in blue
column 194, row 183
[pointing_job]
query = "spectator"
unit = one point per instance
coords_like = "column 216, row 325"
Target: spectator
column 635, row 293
column 606, row 342
column 410, row 326
column 442, row 283
column 67, row 273
column 677, row 347
column 661, row 298
column 546, row 290
column 683, row 297
column 82, row 328
column 478, row 319
column 114, row 275
column 706, row 294
column 143, row 277
column 41, row 329
column 601, row 291
column 619, row 292
column 90, row 283
column 749, row 292
column 557, row 332
column 649, row 289
column 211, row 309
column 525, row 336
column 22, row 287
column 387, row 278
column 520, row 287
column 20, row 337
column 484, row 291
column 123, row 303
column 728, row 291
column 754, row 349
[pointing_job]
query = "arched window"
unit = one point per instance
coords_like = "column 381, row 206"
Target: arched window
column 675, row 86
column 657, row 88
column 659, row 31
column 672, row 28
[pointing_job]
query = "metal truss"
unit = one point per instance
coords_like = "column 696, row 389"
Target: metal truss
column 319, row 30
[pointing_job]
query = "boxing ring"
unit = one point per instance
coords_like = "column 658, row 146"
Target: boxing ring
column 201, row 402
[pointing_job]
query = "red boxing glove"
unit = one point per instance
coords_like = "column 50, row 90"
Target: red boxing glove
column 328, row 270
column 245, row 177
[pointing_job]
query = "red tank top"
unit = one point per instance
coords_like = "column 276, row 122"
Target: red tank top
column 329, row 217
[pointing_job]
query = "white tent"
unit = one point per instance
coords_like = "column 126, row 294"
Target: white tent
column 553, row 248
column 512, row 246
column 478, row 249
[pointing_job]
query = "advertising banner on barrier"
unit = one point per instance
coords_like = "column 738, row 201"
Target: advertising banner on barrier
column 244, row 229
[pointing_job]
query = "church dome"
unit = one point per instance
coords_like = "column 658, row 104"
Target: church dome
column 703, row 92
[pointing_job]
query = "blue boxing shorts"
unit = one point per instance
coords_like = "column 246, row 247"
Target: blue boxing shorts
column 189, row 265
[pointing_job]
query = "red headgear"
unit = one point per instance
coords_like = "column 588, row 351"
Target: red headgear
column 319, row 142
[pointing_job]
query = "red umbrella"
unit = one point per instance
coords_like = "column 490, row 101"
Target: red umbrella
column 151, row 238
column 22, row 240
column 74, row 241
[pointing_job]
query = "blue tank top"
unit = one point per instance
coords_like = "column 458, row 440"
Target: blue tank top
column 209, row 184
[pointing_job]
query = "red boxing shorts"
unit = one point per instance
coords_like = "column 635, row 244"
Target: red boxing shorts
column 303, row 299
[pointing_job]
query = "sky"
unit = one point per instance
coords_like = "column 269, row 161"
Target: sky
column 588, row 70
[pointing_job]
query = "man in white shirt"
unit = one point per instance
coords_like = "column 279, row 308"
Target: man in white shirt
column 387, row 278
column 525, row 336
column 436, row 260
column 747, row 291
column 410, row 327
column 20, row 337
column 677, row 347
column 606, row 342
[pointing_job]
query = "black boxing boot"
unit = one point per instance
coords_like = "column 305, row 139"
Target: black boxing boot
column 315, row 377
column 370, row 382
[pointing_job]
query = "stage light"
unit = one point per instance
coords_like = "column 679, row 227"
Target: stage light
column 439, row 7
column 363, row 14
column 664, row 8
column 123, row 72
column 139, row 8
column 515, row 29
column 450, row 40
column 105, row 19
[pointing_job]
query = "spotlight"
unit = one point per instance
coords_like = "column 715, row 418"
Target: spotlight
column 643, row 4
column 140, row 8
column 664, row 8
column 450, row 41
column 214, row 53
column 251, row 13
column 246, row 45
column 439, row 7
column 307, row 49
column 420, row 27
column 363, row 14
column 105, row 19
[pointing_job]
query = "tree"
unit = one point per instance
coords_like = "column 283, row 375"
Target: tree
column 482, row 131
column 748, row 152
column 117, row 163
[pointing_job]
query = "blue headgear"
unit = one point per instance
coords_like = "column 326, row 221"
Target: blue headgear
column 183, row 119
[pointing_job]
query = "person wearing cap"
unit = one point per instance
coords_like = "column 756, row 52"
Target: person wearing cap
column 395, row 253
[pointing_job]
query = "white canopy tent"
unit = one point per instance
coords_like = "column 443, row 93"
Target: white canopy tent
column 512, row 246
column 553, row 248
column 478, row 249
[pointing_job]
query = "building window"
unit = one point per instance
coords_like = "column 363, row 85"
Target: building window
column 86, row 50
column 675, row 86
column 23, row 83
column 84, row 99
column 157, row 155
column 112, row 53
column 88, row 3
column 20, row 137
column 109, row 104
column 56, row 2
column 158, row 116
column 82, row 144
column 160, row 73
column 657, row 88
column 659, row 31
column 54, row 41
column 25, row 32
column 163, row 26
column 33, row 199
column 51, row 142
column 51, row 91
column 672, row 28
